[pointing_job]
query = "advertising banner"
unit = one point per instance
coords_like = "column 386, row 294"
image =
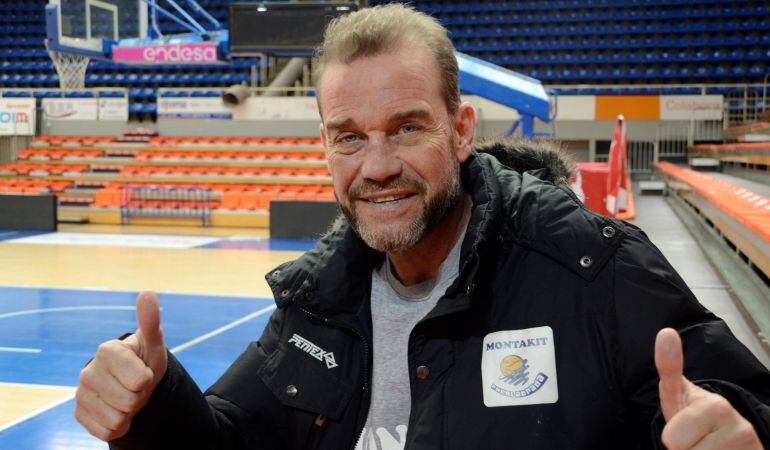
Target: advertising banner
column 691, row 107
column 113, row 109
column 193, row 108
column 70, row 109
column 201, row 53
column 17, row 116
column 283, row 108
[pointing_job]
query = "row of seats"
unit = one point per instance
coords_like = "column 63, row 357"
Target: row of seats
column 41, row 169
column 715, row 8
column 691, row 55
column 691, row 73
column 219, row 188
column 256, row 198
column 747, row 207
column 119, row 79
column 462, row 35
column 154, row 171
column 181, row 140
column 55, row 155
column 33, row 186
column 233, row 156
column 520, row 27
column 158, row 155
column 240, row 140
column 57, row 93
column 73, row 140
column 251, row 201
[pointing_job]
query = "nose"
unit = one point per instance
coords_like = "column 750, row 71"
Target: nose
column 380, row 163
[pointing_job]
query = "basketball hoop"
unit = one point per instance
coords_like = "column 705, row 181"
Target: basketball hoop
column 70, row 67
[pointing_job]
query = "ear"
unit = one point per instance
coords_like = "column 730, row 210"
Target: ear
column 465, row 127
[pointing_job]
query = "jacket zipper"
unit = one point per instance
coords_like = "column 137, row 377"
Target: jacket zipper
column 366, row 363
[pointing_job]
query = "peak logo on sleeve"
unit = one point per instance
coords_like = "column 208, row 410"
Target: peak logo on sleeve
column 518, row 367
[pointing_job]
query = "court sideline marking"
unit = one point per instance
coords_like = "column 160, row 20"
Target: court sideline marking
column 20, row 350
column 66, row 308
column 135, row 291
column 175, row 350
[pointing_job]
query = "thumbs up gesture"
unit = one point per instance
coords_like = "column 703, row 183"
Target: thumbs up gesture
column 695, row 418
column 120, row 379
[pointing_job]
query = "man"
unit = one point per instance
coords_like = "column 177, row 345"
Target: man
column 462, row 304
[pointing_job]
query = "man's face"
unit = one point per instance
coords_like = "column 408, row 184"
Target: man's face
column 392, row 146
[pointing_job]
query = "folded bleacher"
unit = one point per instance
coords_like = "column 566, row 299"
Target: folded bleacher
column 739, row 215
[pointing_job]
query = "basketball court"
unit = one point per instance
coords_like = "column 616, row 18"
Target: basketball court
column 172, row 167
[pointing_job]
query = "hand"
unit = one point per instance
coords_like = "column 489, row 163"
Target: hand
column 695, row 418
column 120, row 379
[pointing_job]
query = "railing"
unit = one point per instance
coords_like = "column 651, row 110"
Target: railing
column 183, row 203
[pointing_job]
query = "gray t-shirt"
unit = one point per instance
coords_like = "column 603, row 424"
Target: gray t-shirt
column 396, row 309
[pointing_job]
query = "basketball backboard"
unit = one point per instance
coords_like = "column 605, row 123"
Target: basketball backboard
column 85, row 26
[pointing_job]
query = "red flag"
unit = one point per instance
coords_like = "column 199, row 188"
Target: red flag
column 617, row 196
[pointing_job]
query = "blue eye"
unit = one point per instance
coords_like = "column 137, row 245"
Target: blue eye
column 408, row 129
column 348, row 138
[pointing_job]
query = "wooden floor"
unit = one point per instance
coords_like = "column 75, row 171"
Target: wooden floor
column 200, row 271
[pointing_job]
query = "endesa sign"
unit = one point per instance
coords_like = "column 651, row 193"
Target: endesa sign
column 201, row 53
column 17, row 117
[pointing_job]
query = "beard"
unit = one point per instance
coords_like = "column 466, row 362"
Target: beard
column 399, row 238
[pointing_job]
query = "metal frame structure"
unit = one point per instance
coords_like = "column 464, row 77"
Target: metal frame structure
column 181, row 203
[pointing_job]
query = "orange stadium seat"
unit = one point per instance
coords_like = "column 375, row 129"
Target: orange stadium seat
column 249, row 201
column 231, row 200
column 108, row 198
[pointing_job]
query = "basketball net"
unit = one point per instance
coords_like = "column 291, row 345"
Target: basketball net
column 70, row 67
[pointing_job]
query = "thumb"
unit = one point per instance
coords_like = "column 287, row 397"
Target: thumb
column 669, row 360
column 148, row 318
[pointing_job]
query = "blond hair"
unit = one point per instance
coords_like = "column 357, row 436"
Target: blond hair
column 386, row 28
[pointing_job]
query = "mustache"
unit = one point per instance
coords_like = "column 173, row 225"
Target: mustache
column 367, row 186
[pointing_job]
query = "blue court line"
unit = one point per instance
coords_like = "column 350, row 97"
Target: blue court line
column 242, row 243
column 264, row 244
column 6, row 235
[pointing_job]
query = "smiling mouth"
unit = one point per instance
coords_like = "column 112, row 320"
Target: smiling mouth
column 388, row 199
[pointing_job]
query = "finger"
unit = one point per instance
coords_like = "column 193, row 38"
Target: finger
column 103, row 414
column 91, row 425
column 669, row 360
column 119, row 360
column 112, row 391
column 148, row 318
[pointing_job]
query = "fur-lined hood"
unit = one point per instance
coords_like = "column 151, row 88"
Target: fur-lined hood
column 524, row 155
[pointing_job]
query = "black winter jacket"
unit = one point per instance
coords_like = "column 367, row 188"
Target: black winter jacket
column 532, row 256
